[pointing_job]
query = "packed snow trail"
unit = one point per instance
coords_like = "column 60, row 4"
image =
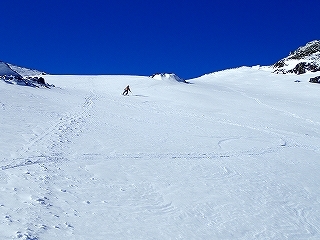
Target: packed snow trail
column 219, row 158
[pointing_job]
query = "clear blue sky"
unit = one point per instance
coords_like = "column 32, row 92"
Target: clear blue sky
column 142, row 37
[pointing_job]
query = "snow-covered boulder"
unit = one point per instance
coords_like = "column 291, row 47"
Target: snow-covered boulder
column 167, row 77
column 304, row 59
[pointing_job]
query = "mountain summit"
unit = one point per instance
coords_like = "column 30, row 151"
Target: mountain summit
column 304, row 59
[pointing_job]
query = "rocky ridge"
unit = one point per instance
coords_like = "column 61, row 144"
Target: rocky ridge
column 304, row 59
column 13, row 74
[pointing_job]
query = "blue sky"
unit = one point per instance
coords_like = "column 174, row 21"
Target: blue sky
column 142, row 37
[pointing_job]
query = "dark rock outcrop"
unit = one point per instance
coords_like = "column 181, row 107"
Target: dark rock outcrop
column 303, row 67
column 315, row 79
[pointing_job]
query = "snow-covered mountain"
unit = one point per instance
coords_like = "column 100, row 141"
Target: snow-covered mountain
column 22, row 76
column 232, row 155
column 26, row 71
column 6, row 70
column 304, row 59
column 13, row 70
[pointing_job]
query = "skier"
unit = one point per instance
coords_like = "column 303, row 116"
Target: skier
column 126, row 91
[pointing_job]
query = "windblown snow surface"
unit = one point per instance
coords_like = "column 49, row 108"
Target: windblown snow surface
column 230, row 155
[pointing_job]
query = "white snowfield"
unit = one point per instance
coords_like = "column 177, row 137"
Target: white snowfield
column 230, row 155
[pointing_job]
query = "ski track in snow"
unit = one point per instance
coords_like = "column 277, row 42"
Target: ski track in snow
column 257, row 100
column 283, row 135
column 54, row 138
column 243, row 185
column 58, row 133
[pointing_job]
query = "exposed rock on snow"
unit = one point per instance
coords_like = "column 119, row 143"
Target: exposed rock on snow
column 167, row 76
column 315, row 79
column 27, row 81
column 21, row 76
column 304, row 59
column 308, row 50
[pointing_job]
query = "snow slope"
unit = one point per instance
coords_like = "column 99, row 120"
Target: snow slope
column 6, row 70
column 232, row 155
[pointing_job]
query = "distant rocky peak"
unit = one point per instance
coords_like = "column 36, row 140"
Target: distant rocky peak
column 308, row 50
column 304, row 59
